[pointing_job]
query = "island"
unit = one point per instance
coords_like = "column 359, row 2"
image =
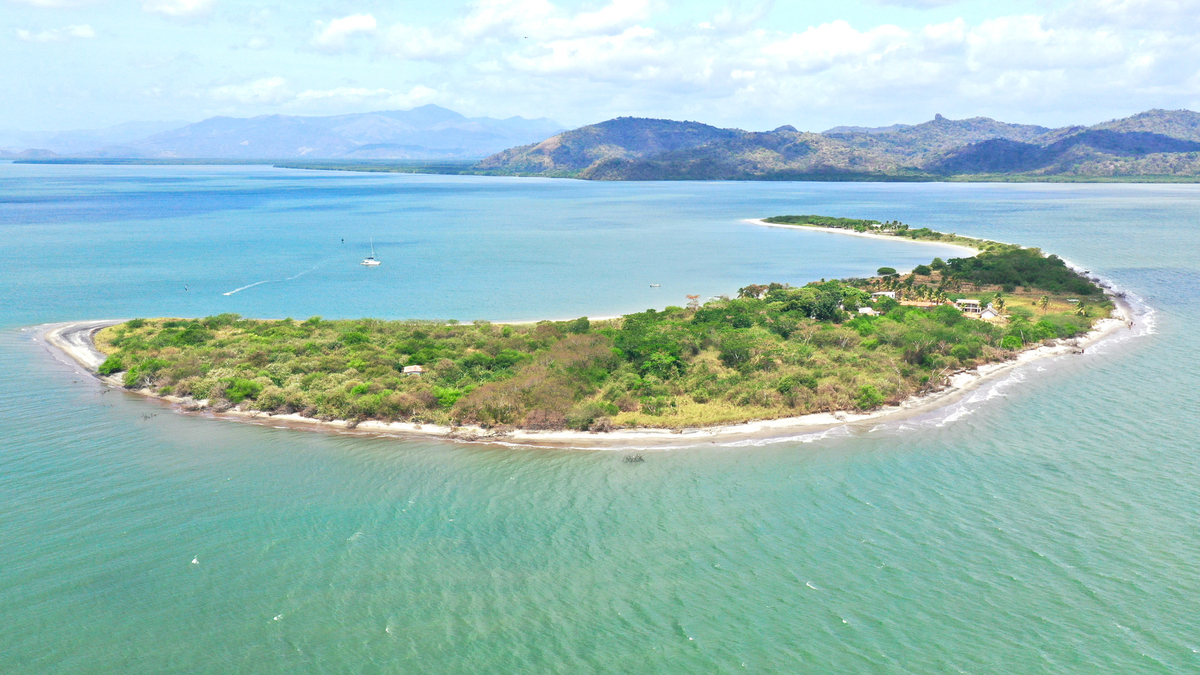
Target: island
column 832, row 348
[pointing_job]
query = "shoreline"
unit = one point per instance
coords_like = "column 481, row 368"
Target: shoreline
column 869, row 235
column 74, row 340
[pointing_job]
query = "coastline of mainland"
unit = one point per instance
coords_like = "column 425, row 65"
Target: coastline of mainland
column 76, row 340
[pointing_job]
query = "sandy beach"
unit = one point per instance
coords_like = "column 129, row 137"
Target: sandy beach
column 885, row 237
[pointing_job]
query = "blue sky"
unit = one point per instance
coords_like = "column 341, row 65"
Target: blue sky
column 73, row 64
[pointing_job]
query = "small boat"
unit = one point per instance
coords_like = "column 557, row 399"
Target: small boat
column 370, row 260
column 655, row 285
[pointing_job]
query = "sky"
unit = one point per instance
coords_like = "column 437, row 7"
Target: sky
column 85, row 64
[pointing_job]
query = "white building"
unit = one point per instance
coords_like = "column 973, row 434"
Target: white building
column 968, row 305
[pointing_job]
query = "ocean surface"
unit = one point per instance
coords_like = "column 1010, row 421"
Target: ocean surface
column 1049, row 523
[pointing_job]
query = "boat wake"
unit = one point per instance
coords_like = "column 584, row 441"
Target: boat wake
column 277, row 281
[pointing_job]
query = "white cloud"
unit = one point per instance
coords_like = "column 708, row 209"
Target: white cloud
column 258, row 42
column 633, row 52
column 834, row 43
column 543, row 57
column 55, row 3
column 179, row 9
column 543, row 20
column 492, row 22
column 421, row 43
column 917, row 4
column 56, row 34
column 357, row 96
column 333, row 36
column 263, row 91
column 275, row 92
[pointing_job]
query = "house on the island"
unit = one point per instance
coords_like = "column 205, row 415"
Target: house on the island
column 884, row 294
column 868, row 311
column 413, row 370
column 989, row 312
column 968, row 306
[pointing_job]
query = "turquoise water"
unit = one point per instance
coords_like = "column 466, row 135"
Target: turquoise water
column 1047, row 525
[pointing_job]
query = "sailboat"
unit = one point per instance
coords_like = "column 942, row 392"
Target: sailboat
column 370, row 260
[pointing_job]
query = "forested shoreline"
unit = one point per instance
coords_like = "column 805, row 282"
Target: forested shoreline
column 772, row 351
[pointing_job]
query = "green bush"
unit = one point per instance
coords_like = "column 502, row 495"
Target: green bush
column 654, row 405
column 791, row 383
column 583, row 415
column 885, row 271
column 868, row 398
column 239, row 389
column 1011, row 342
column 964, row 352
column 112, row 364
column 447, row 396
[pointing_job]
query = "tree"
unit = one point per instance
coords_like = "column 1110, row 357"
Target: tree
column 1043, row 302
column 752, row 291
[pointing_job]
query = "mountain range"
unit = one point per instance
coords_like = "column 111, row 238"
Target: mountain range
column 1154, row 143
column 427, row 132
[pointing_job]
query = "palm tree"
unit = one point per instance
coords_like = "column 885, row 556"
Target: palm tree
column 1043, row 302
column 998, row 303
column 1081, row 310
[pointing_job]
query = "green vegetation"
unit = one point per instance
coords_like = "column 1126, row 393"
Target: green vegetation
column 892, row 228
column 774, row 351
column 856, row 224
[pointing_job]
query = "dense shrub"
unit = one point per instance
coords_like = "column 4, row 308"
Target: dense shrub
column 112, row 364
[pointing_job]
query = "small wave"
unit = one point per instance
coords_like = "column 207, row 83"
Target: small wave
column 841, row 431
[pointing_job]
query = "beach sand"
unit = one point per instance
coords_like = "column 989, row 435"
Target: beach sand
column 970, row 252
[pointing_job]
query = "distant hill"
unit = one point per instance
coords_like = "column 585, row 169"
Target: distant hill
column 918, row 142
column 1154, row 143
column 428, row 132
column 1183, row 124
column 624, row 138
column 82, row 140
column 1098, row 152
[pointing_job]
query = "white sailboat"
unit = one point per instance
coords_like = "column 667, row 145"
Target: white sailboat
column 370, row 260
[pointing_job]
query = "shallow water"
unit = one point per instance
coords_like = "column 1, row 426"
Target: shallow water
column 1048, row 524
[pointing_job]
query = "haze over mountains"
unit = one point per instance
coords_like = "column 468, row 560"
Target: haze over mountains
column 1153, row 143
column 428, row 132
column 1156, row 144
